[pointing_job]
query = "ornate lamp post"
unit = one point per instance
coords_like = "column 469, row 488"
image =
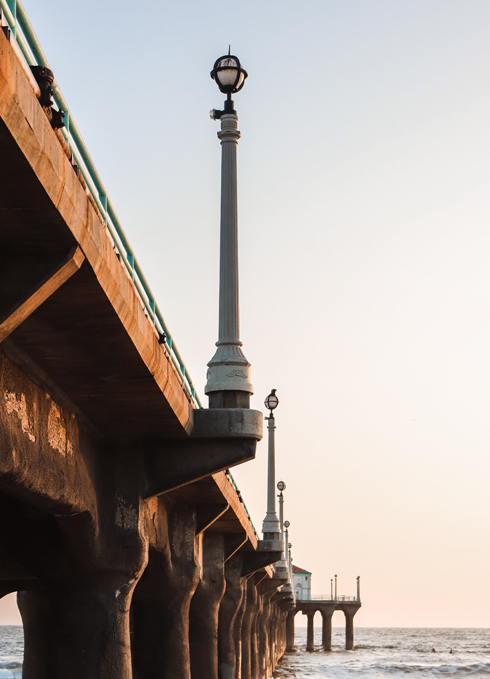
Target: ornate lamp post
column 331, row 589
column 228, row 382
column 270, row 525
column 287, row 545
column 280, row 487
column 282, row 564
column 358, row 587
column 335, row 587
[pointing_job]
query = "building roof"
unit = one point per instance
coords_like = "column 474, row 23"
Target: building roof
column 300, row 571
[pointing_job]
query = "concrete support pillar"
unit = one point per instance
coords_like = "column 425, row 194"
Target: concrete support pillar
column 349, row 630
column 203, row 630
column 249, row 642
column 34, row 609
column 263, row 630
column 91, row 581
column 254, row 640
column 310, row 639
column 290, row 631
column 238, row 629
column 271, row 657
column 228, row 610
column 327, row 630
column 161, row 602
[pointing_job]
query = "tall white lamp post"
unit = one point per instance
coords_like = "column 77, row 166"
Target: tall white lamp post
column 228, row 382
column 270, row 526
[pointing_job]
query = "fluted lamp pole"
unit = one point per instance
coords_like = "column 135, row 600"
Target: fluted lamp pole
column 228, row 382
column 270, row 526
column 287, row 553
column 282, row 566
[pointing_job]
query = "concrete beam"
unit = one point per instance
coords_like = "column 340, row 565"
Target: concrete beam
column 208, row 514
column 182, row 462
column 45, row 288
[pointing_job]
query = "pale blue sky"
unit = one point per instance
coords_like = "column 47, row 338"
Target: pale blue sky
column 364, row 243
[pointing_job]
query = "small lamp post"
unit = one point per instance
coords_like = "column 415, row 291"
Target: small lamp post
column 282, row 564
column 228, row 382
column 270, row 525
column 335, row 587
column 331, row 589
column 287, row 545
column 358, row 587
column 280, row 487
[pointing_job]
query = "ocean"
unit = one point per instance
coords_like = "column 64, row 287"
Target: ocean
column 381, row 653
column 392, row 653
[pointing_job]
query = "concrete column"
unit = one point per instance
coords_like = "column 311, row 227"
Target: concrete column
column 254, row 641
column 91, row 573
column 203, row 630
column 310, row 639
column 271, row 657
column 349, row 630
column 290, row 631
column 248, row 643
column 34, row 609
column 228, row 610
column 263, row 630
column 162, row 598
column 327, row 630
column 238, row 629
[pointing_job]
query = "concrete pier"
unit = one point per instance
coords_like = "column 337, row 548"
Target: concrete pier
column 130, row 548
column 326, row 608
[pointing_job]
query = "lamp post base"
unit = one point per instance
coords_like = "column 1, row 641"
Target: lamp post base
column 229, row 399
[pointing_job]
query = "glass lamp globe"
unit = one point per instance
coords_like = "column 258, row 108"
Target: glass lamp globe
column 229, row 74
column 281, row 486
column 271, row 402
column 286, row 524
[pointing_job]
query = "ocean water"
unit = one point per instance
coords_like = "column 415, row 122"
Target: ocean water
column 11, row 651
column 392, row 653
column 381, row 653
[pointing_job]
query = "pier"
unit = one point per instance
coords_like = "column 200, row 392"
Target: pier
column 122, row 530
column 327, row 607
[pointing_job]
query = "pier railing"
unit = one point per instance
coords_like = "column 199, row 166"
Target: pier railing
column 329, row 597
column 14, row 18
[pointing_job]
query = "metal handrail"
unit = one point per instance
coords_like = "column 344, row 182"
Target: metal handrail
column 233, row 483
column 329, row 597
column 16, row 17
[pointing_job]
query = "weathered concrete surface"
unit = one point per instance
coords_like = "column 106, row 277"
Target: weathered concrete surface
column 249, row 640
column 229, row 609
column 205, row 608
column 163, row 595
column 34, row 609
